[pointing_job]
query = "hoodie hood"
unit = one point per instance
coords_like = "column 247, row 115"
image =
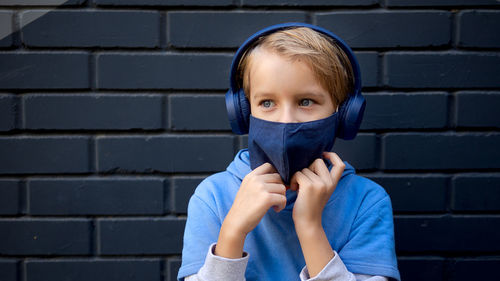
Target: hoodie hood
column 240, row 167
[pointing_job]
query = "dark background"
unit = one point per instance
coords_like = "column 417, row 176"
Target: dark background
column 112, row 111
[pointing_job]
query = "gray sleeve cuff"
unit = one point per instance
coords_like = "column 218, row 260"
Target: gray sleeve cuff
column 220, row 268
column 333, row 270
column 336, row 270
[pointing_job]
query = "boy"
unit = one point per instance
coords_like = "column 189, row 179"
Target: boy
column 278, row 212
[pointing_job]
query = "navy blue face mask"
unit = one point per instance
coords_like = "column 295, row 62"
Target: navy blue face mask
column 290, row 147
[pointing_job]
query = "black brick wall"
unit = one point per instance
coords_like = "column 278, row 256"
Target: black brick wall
column 112, row 111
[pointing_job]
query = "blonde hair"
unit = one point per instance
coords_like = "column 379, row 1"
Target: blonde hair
column 327, row 60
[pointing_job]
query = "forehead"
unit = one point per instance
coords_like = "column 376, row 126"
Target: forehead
column 270, row 72
column 261, row 55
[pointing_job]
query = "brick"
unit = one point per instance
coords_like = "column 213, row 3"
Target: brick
column 415, row 193
column 6, row 29
column 478, row 29
column 440, row 151
column 94, row 196
column 163, row 71
column 45, row 237
column 44, row 28
column 476, row 192
column 447, row 234
column 8, row 112
column 360, row 152
column 477, row 109
column 407, row 28
column 480, row 268
column 41, row 2
column 369, row 66
column 184, row 187
column 10, row 196
column 211, row 29
column 443, row 3
column 8, row 268
column 21, row 155
column 207, row 3
column 164, row 153
column 141, row 236
column 109, row 111
column 206, row 112
column 441, row 70
column 405, row 110
column 297, row 3
column 421, row 268
column 96, row 269
column 54, row 70
column 173, row 266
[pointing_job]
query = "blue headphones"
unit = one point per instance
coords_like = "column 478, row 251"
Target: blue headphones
column 350, row 111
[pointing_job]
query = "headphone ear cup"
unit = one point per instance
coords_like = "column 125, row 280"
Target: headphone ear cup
column 351, row 114
column 245, row 110
column 238, row 111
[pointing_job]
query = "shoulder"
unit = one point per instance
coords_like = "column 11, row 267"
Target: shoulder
column 364, row 192
column 217, row 190
column 226, row 182
column 221, row 182
column 366, row 187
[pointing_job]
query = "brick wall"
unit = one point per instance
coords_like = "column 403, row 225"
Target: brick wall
column 112, row 111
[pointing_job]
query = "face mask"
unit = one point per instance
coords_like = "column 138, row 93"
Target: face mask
column 289, row 147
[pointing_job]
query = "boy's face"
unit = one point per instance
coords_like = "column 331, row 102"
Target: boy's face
column 286, row 91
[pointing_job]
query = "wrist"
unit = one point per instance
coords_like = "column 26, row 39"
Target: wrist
column 232, row 229
column 231, row 233
column 230, row 243
column 307, row 226
column 308, row 229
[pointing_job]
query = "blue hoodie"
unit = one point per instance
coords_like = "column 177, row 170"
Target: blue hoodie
column 357, row 221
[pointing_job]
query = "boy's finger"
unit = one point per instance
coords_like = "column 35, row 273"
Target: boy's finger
column 319, row 168
column 317, row 181
column 278, row 202
column 265, row 168
column 276, row 188
column 297, row 179
column 302, row 179
column 338, row 165
column 294, row 185
column 272, row 178
column 310, row 174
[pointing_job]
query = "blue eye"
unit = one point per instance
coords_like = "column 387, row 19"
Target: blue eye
column 267, row 103
column 306, row 102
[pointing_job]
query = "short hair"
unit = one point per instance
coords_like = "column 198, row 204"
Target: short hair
column 327, row 60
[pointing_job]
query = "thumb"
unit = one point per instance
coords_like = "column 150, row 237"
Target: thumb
column 294, row 185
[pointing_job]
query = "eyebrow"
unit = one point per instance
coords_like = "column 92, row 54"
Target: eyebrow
column 263, row 95
column 299, row 95
column 308, row 94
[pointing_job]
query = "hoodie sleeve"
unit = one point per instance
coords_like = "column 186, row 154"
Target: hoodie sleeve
column 370, row 248
column 336, row 270
column 201, row 231
column 220, row 268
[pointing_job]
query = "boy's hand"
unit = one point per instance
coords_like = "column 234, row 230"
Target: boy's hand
column 260, row 190
column 314, row 186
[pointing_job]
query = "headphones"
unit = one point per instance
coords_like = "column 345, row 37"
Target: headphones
column 350, row 111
